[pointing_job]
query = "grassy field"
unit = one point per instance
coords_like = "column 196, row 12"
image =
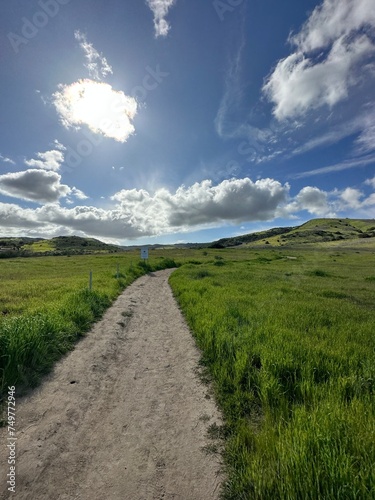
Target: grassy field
column 288, row 339
column 45, row 306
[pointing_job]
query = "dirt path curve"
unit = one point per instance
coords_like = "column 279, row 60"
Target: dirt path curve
column 124, row 416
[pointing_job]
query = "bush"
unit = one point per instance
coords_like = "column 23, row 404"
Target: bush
column 320, row 273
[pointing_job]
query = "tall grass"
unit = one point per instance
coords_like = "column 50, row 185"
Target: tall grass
column 30, row 344
column 290, row 346
column 56, row 312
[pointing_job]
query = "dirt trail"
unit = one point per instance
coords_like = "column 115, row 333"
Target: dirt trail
column 124, row 416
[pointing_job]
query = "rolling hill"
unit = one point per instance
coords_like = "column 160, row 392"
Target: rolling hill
column 313, row 232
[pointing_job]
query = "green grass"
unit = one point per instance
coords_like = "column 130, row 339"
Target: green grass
column 286, row 336
column 290, row 347
column 40, row 246
column 324, row 232
column 45, row 307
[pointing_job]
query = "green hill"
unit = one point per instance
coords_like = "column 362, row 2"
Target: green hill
column 61, row 245
column 315, row 231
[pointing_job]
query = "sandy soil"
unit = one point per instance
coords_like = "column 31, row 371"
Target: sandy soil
column 123, row 416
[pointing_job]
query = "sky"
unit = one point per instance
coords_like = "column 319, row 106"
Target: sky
column 167, row 121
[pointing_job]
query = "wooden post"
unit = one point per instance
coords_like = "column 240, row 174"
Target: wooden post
column 118, row 271
column 90, row 281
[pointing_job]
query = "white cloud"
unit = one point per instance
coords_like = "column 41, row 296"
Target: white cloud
column 104, row 110
column 34, row 185
column 369, row 203
column 91, row 221
column 225, row 123
column 97, row 65
column 312, row 199
column 202, row 204
column 352, row 198
column 49, row 160
column 356, row 125
column 53, row 220
column 366, row 140
column 298, row 84
column 77, row 193
column 370, row 182
column 333, row 19
column 13, row 216
column 160, row 10
column 6, row 160
column 355, row 199
column 331, row 56
column 337, row 167
column 139, row 213
column 58, row 145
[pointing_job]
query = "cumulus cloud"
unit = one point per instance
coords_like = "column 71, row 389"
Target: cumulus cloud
column 139, row 213
column 13, row 216
column 329, row 204
column 370, row 182
column 53, row 220
column 352, row 198
column 312, row 199
column 331, row 55
column 104, row 110
column 91, row 221
column 160, row 10
column 355, row 199
column 38, row 186
column 77, row 193
column 203, row 204
column 49, row 160
column 97, row 64
column 34, row 185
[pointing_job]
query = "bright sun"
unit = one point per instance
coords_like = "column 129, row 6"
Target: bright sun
column 97, row 105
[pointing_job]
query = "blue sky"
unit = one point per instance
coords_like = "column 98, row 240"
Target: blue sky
column 183, row 120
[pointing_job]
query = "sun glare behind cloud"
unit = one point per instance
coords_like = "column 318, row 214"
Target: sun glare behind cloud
column 95, row 104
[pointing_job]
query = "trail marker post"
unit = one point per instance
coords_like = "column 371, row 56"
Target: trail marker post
column 144, row 253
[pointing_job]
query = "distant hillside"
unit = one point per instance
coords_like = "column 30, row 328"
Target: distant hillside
column 250, row 238
column 312, row 232
column 315, row 231
column 61, row 245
